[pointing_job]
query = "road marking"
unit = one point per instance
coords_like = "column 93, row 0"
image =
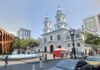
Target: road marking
column 33, row 67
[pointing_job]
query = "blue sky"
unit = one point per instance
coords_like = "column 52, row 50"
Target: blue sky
column 30, row 14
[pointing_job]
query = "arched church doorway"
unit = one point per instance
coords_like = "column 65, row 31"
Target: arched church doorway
column 45, row 49
column 0, row 48
column 51, row 49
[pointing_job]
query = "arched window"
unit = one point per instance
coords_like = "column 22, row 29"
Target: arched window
column 58, row 27
column 51, row 37
column 58, row 37
column 78, row 44
column 58, row 19
column 68, row 45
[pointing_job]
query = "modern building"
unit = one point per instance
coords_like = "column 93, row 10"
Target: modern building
column 6, row 40
column 60, row 37
column 24, row 33
column 92, row 24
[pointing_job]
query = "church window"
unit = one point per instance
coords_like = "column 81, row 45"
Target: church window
column 58, row 27
column 67, row 37
column 50, row 37
column 64, row 25
column 58, row 37
column 44, row 39
column 77, row 35
column 58, row 19
column 68, row 45
column 78, row 44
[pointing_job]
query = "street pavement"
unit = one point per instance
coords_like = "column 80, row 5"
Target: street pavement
column 47, row 65
column 50, row 57
column 31, row 65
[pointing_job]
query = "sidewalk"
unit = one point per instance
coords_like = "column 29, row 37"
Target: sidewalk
column 50, row 57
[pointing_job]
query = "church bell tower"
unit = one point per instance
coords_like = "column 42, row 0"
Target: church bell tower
column 60, row 19
column 47, row 25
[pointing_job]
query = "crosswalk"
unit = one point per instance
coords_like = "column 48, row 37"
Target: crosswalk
column 33, row 67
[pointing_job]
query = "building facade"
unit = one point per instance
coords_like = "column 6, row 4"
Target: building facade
column 24, row 33
column 60, row 37
column 92, row 24
column 6, row 40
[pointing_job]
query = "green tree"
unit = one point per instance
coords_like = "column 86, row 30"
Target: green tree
column 23, row 44
column 16, row 43
column 34, row 43
column 93, row 41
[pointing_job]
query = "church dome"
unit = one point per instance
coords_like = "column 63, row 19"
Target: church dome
column 47, row 19
column 60, row 11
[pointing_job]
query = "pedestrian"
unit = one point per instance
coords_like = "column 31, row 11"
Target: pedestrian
column 6, row 61
column 85, row 52
column 41, row 62
column 38, row 50
column 53, row 56
column 71, row 55
column 46, row 57
column 85, row 56
column 62, row 54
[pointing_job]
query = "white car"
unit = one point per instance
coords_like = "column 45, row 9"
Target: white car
column 72, row 64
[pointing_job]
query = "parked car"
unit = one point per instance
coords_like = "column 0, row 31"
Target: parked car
column 94, row 61
column 72, row 64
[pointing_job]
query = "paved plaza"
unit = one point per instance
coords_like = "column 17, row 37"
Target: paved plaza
column 30, row 64
column 50, row 57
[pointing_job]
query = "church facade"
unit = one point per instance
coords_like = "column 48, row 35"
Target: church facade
column 60, row 37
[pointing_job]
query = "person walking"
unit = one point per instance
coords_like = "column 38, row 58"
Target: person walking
column 71, row 55
column 6, row 61
column 53, row 56
column 46, row 57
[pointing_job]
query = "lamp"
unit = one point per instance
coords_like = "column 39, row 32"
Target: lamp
column 72, row 37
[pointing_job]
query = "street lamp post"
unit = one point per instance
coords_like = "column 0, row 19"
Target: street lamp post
column 72, row 37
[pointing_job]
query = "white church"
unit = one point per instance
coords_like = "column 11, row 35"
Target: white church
column 59, row 36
